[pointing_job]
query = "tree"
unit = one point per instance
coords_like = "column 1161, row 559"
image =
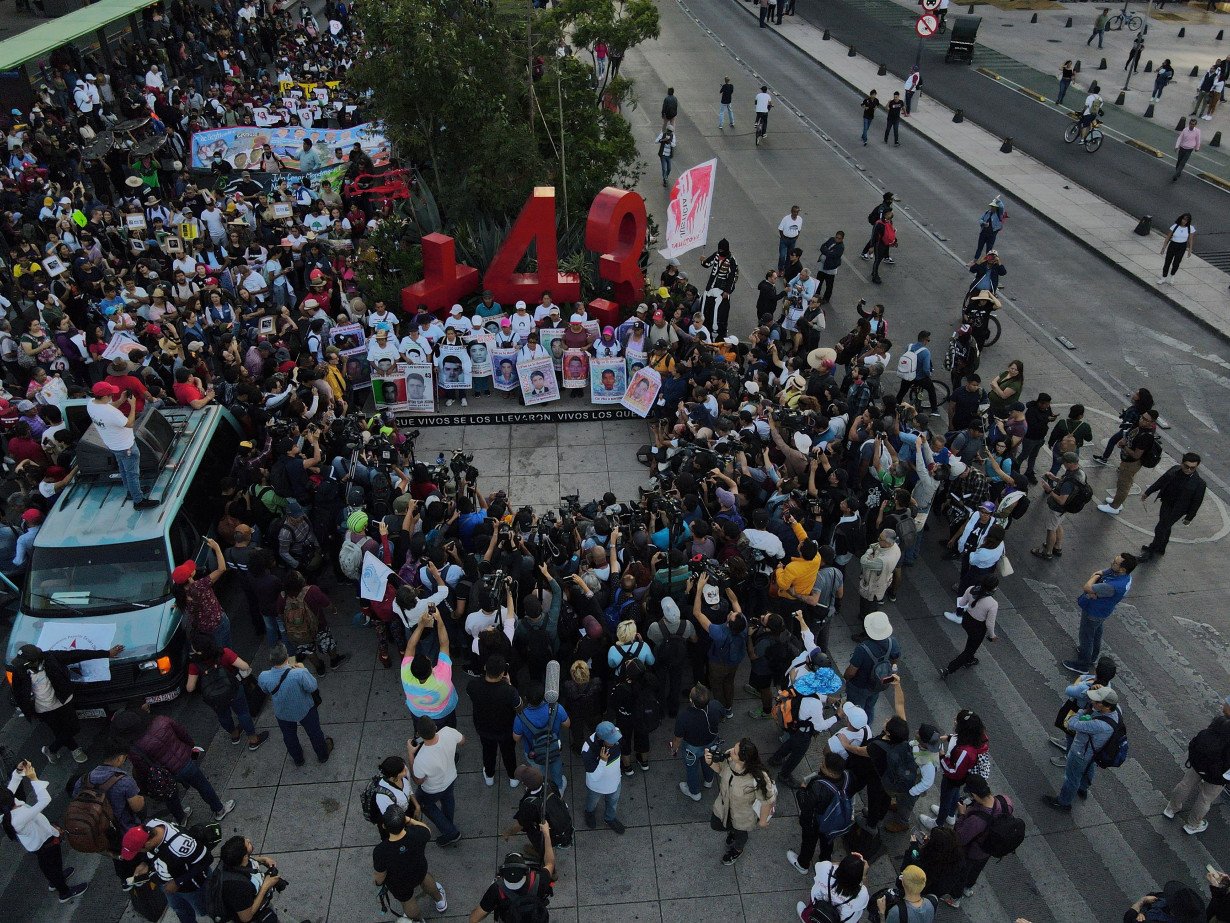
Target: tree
column 621, row 25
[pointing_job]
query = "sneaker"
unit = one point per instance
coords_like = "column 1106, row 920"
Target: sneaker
column 643, row 763
column 68, row 873
column 629, row 771
column 953, row 617
column 591, row 821
column 709, row 784
column 730, row 713
column 260, row 739
column 890, row 260
column 74, row 891
column 951, row 901
column 1099, row 460
column 1075, row 667
column 1059, row 761
column 731, row 856
column 793, row 858
column 935, row 810
column 236, row 737
column 927, row 823
column 866, row 256
column 442, row 903
column 1161, row 280
column 750, row 690
column 449, row 402
column 51, row 757
column 80, row 755
column 1166, row 812
column 489, row 780
column 187, row 812
column 513, row 783
column 146, row 504
column 1108, row 509
column 328, row 749
column 465, row 402
column 1195, row 831
column 1060, row 742
column 683, row 787
column 617, row 825
column 1053, row 802
column 758, row 713
column 227, row 808
column 968, row 892
column 449, row 840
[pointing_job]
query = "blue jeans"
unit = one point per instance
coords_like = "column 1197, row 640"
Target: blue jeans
column 557, row 769
column 950, row 794
column 1063, row 91
column 666, row 167
column 1090, row 644
column 694, row 765
column 340, row 467
column 240, row 707
column 188, row 906
column 129, row 461
column 290, row 736
column 192, row 777
column 612, row 803
column 222, row 634
column 439, row 808
column 864, row 698
column 275, row 631
column 724, row 113
column 866, row 128
column 784, row 246
column 986, row 241
column 1077, row 774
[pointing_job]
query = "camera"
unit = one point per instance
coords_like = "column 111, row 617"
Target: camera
column 282, row 884
column 717, row 751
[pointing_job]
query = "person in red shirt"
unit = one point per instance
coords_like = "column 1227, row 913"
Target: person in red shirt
column 119, row 373
column 188, row 391
column 206, row 656
column 24, row 447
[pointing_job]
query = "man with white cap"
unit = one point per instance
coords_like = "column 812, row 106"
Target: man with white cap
column 1208, row 771
column 1091, row 728
column 874, row 660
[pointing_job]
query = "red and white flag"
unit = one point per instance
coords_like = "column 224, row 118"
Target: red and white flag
column 687, row 215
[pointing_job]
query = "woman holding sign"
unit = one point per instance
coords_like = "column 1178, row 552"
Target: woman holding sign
column 454, row 368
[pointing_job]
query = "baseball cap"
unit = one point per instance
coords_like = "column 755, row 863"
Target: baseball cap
column 105, row 389
column 987, row 506
column 576, row 319
column 1104, row 694
column 294, row 509
column 133, row 843
column 25, row 406
column 456, row 310
column 608, row 733
column 30, row 517
column 956, row 467
column 1069, row 458
column 1017, row 407
column 642, row 308
column 520, row 306
column 929, row 737
column 183, row 573
column 855, row 715
column 505, row 322
column 658, row 315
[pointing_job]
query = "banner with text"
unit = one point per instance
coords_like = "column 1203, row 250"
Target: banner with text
column 241, row 146
column 687, row 214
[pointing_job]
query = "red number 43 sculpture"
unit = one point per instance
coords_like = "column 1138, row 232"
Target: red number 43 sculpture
column 614, row 229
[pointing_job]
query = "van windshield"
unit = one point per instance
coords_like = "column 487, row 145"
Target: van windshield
column 90, row 581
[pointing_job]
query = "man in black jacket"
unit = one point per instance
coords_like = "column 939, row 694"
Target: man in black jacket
column 1181, row 491
column 723, row 274
column 43, row 689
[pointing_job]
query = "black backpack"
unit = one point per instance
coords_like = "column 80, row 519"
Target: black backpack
column 901, row 773
column 367, row 800
column 381, row 492
column 558, row 814
column 1153, row 454
column 1004, row 833
column 781, row 653
column 534, row 646
column 1208, row 753
column 672, row 649
column 524, row 905
column 1081, row 494
column 218, row 684
column 279, row 481
column 627, row 655
column 215, row 906
column 1114, row 752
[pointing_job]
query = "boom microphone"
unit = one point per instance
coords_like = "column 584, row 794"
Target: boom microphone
column 551, row 684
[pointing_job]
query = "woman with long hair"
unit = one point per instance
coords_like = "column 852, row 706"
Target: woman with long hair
column 1178, row 243
column 1142, row 400
column 938, row 854
column 746, row 796
column 976, row 611
column 841, row 886
column 26, row 824
column 962, row 750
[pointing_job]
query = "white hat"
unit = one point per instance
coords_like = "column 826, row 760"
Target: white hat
column 520, row 305
column 877, row 626
column 576, row 319
column 956, row 467
column 731, row 341
column 89, row 77
column 855, row 715
column 796, row 381
column 751, row 387
column 802, row 443
column 456, row 310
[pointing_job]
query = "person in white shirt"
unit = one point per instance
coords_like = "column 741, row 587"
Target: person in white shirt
column 762, row 104
column 26, row 824
column 600, row 756
column 458, row 321
column 415, row 347
column 543, row 311
column 380, row 314
column 153, row 78
column 381, row 346
column 910, row 87
column 787, row 234
column 432, row 328
column 491, row 615
column 842, row 886
column 433, row 764
column 115, row 430
column 521, row 323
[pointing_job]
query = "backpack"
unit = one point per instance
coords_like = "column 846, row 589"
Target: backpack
column 831, row 807
column 558, row 815
column 1153, row 454
column 907, row 365
column 524, row 905
column 905, row 527
column 218, row 685
column 89, row 820
column 1208, row 753
column 542, row 741
column 648, row 708
column 299, row 619
column 215, row 907
column 381, row 491
column 731, row 649
column 279, row 480
column 901, row 772
column 534, row 646
column 1114, row 752
column 881, row 667
column 350, row 558
column 620, row 610
column 1004, row 833
column 826, row 909
column 786, row 710
column 781, row 653
column 1081, row 494
column 874, row 215
column 627, row 655
column 367, row 800
column 672, row 649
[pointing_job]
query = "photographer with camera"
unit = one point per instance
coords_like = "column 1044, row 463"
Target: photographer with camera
column 232, row 887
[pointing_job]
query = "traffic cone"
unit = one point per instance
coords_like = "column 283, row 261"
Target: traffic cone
column 1149, row 111
column 1006, row 147
column 1145, row 227
column 958, row 117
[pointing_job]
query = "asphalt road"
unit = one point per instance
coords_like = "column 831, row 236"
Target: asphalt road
column 1131, row 180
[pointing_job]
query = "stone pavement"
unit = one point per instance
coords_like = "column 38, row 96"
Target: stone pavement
column 1200, row 289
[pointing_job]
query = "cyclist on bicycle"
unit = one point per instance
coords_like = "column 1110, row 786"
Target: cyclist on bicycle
column 763, row 103
column 1093, row 111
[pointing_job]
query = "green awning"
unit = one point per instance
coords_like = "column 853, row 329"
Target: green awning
column 46, row 37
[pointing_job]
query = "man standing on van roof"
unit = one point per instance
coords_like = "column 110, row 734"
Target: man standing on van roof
column 115, row 430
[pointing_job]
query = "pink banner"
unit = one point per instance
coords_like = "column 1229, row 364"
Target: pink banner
column 687, row 215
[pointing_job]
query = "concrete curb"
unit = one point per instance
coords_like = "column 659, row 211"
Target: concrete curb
column 1205, row 323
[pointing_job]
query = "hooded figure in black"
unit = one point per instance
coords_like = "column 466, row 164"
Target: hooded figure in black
column 723, row 274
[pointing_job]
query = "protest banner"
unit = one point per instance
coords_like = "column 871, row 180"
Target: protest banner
column 538, row 384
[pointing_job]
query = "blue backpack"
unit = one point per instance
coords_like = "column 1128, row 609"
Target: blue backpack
column 623, row 607
column 730, row 649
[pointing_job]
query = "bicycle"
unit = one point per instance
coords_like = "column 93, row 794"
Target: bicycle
column 917, row 394
column 1091, row 139
column 762, row 126
column 1123, row 18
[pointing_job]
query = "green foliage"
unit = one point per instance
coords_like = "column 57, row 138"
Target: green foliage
column 391, row 258
column 621, row 25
